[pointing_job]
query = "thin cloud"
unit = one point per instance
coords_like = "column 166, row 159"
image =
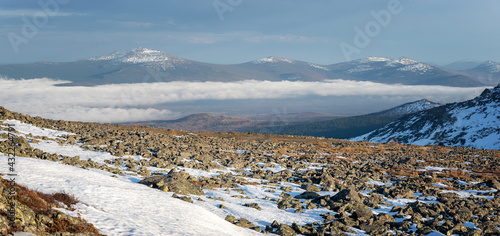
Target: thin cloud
column 16, row 13
column 137, row 102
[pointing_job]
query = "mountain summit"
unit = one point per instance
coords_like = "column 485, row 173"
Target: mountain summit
column 146, row 56
column 489, row 66
column 273, row 59
column 409, row 108
column 474, row 123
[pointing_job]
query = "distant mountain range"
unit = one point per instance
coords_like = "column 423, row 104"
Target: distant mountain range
column 308, row 124
column 462, row 65
column 474, row 123
column 147, row 65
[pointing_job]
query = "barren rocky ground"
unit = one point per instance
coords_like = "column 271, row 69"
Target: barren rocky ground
column 356, row 187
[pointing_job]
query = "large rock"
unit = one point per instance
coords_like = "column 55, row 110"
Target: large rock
column 21, row 142
column 327, row 183
column 493, row 183
column 347, row 195
column 383, row 218
column 362, row 213
column 285, row 230
column 310, row 188
column 177, row 182
column 307, row 195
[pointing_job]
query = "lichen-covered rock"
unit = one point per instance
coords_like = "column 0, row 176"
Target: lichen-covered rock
column 307, row 195
column 242, row 222
column 253, row 205
column 310, row 188
column 177, row 182
column 285, row 230
column 347, row 195
column 362, row 213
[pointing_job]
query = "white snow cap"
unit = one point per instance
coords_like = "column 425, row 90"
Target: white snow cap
column 273, row 59
column 138, row 55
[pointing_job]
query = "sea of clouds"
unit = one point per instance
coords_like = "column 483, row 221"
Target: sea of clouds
column 149, row 101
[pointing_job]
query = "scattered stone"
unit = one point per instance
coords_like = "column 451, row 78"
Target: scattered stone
column 242, row 222
column 307, row 195
column 230, row 218
column 253, row 205
column 310, row 188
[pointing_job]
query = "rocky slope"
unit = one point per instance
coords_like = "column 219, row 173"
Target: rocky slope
column 352, row 187
column 474, row 123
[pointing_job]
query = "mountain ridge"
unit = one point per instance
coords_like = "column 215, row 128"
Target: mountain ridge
column 474, row 123
column 133, row 66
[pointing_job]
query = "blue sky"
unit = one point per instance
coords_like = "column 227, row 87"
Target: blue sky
column 238, row 31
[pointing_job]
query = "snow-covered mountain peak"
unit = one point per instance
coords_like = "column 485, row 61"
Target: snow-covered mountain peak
column 374, row 59
column 402, row 61
column 150, row 57
column 138, row 55
column 490, row 66
column 400, row 64
column 473, row 123
column 407, row 64
column 273, row 59
column 412, row 107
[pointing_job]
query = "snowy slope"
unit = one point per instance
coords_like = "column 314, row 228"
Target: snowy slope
column 117, row 206
column 409, row 108
column 474, row 123
column 121, row 206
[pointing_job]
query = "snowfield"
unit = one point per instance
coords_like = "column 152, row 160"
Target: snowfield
column 117, row 206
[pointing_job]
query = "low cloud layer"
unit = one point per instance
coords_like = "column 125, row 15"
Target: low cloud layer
column 137, row 102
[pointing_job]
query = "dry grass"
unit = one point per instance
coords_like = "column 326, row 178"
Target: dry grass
column 64, row 225
column 42, row 204
column 65, row 198
column 455, row 173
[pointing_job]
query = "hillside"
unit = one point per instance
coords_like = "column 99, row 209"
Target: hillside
column 217, row 123
column 349, row 127
column 146, row 181
column 474, row 123
column 204, row 122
